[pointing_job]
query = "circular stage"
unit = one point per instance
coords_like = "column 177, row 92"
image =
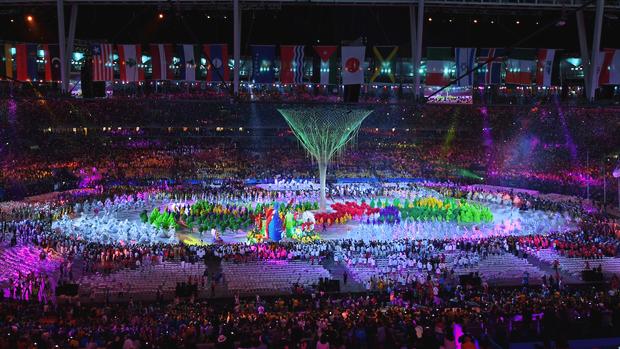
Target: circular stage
column 401, row 213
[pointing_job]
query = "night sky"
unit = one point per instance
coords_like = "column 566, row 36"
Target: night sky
column 309, row 25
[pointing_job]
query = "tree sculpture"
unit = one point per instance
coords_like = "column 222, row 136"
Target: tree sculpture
column 323, row 132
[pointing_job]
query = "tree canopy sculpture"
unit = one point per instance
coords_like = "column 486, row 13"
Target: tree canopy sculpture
column 323, row 132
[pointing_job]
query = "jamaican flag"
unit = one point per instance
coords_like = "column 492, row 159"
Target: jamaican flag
column 384, row 67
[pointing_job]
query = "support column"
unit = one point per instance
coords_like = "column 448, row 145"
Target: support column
column 596, row 46
column 585, row 55
column 418, row 50
column 412, row 31
column 323, row 180
column 61, row 42
column 70, row 43
column 236, row 46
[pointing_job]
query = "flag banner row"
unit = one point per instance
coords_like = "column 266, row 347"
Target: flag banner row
column 291, row 64
column 22, row 62
column 490, row 65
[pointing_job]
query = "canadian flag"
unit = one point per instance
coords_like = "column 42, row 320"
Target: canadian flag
column 544, row 66
column 130, row 62
column 609, row 67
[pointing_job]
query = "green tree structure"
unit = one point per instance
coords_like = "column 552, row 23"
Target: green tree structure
column 324, row 131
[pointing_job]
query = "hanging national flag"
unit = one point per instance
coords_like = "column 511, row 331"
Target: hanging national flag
column 519, row 71
column 325, row 67
column 292, row 64
column 161, row 61
column 51, row 57
column 438, row 72
column 189, row 65
column 6, row 62
column 103, row 62
column 520, row 66
column 353, row 64
column 491, row 72
column 544, row 66
column 217, row 62
column 262, row 63
column 26, row 59
column 609, row 71
column 384, row 64
column 465, row 61
column 130, row 62
column 438, row 66
column 47, row 61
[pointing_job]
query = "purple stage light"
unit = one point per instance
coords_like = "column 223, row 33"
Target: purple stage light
column 572, row 148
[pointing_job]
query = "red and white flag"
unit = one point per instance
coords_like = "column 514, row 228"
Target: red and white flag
column 51, row 53
column 519, row 71
column 103, row 62
column 130, row 62
column 438, row 72
column 352, row 64
column 609, row 67
column 161, row 60
column 544, row 66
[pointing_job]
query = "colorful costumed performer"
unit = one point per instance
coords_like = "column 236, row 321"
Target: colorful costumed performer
column 263, row 229
column 289, row 224
column 275, row 226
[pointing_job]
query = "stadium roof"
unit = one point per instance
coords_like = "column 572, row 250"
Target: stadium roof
column 517, row 4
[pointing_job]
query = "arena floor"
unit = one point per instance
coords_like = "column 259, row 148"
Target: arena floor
column 507, row 221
